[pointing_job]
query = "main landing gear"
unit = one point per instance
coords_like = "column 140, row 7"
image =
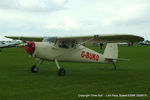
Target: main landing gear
column 61, row 71
column 34, row 68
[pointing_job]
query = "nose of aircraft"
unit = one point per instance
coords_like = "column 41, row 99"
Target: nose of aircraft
column 30, row 47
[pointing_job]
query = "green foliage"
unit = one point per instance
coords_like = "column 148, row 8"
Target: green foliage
column 18, row 83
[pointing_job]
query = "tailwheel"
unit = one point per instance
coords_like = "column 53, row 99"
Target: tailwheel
column 34, row 69
column 115, row 67
column 61, row 72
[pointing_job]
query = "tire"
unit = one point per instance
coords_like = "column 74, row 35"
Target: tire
column 61, row 72
column 34, row 69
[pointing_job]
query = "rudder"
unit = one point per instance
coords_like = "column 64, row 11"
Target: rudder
column 111, row 51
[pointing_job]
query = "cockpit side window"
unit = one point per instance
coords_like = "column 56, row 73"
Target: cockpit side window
column 73, row 44
column 67, row 44
column 60, row 43
column 63, row 44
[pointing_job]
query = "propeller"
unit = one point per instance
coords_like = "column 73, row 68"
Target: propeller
column 30, row 47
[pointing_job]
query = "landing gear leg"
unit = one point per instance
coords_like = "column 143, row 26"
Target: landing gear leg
column 61, row 71
column 34, row 68
column 115, row 67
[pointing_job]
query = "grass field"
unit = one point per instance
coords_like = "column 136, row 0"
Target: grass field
column 18, row 83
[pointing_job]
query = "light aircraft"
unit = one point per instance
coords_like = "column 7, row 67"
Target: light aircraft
column 70, row 49
column 2, row 44
column 144, row 43
column 5, row 44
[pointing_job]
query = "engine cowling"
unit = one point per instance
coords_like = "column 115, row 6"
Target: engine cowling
column 30, row 48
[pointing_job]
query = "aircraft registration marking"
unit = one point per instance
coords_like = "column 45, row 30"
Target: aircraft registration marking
column 89, row 55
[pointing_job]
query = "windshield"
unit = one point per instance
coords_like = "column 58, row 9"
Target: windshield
column 50, row 40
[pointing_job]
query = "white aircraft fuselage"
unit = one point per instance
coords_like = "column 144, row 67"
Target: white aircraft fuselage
column 79, row 53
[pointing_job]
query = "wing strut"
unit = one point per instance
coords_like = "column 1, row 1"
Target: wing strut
column 86, row 41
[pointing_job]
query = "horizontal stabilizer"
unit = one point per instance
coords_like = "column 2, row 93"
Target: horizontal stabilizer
column 120, row 59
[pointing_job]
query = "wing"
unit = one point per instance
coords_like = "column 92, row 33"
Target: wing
column 103, row 38
column 89, row 38
column 25, row 38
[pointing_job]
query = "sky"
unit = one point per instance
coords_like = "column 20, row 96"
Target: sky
column 74, row 17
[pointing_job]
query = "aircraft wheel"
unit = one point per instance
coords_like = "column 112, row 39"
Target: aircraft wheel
column 34, row 69
column 61, row 72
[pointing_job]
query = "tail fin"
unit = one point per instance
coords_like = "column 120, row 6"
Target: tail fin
column 111, row 51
